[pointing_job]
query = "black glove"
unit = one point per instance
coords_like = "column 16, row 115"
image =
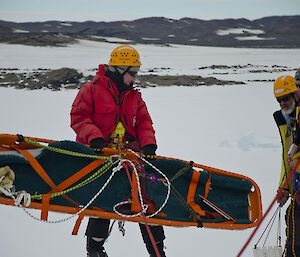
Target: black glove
column 97, row 145
column 148, row 152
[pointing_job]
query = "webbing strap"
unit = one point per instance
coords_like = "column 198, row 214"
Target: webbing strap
column 45, row 207
column 192, row 192
column 135, row 206
column 135, row 196
column 37, row 167
column 43, row 174
column 77, row 176
column 182, row 171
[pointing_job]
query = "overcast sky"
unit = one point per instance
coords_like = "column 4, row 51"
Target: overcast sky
column 112, row 10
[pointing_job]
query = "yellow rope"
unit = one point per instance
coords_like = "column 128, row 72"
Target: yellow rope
column 93, row 177
column 96, row 175
column 67, row 152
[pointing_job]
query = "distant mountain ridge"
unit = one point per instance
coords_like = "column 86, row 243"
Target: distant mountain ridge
column 267, row 32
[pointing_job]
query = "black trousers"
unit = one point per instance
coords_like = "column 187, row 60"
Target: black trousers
column 292, row 218
column 99, row 228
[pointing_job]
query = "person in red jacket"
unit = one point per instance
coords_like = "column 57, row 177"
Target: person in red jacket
column 108, row 111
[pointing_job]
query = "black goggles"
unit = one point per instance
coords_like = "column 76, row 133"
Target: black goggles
column 131, row 70
column 284, row 98
column 132, row 73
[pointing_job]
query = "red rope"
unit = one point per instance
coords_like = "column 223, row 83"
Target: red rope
column 269, row 208
column 143, row 215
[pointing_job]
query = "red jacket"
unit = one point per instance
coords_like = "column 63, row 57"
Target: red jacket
column 98, row 108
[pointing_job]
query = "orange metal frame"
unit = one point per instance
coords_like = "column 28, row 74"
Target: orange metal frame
column 9, row 142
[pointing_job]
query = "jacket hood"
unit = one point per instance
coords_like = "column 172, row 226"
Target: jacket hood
column 100, row 74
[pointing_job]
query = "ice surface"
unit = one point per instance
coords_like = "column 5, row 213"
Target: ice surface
column 229, row 127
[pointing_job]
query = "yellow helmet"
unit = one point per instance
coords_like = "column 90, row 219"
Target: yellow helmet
column 284, row 85
column 124, row 56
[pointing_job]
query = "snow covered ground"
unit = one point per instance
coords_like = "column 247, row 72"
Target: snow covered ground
column 230, row 128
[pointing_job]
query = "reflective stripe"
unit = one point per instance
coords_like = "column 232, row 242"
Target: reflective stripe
column 285, row 168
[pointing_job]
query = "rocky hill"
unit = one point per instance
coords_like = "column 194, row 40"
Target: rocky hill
column 268, row 32
column 67, row 78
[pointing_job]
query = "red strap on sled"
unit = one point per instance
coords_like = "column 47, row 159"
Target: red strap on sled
column 71, row 180
column 37, row 167
column 192, row 192
column 43, row 174
column 45, row 207
column 135, row 205
column 80, row 174
column 77, row 224
column 135, row 196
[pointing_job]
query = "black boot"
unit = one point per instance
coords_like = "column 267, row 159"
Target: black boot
column 94, row 248
column 97, row 254
column 158, row 235
column 160, row 247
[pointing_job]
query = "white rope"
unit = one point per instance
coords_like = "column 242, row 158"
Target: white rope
column 167, row 183
column 144, row 209
column 18, row 197
column 4, row 190
column 144, row 206
column 114, row 170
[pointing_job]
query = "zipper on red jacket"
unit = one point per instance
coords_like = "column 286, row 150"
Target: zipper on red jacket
column 125, row 119
column 116, row 119
column 117, row 100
